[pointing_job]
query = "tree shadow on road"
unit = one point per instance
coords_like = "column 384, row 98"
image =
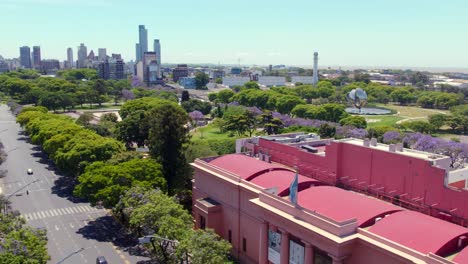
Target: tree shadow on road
column 107, row 229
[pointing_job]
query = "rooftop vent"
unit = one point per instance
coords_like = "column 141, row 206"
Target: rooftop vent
column 399, row 147
column 366, row 142
column 373, row 142
column 461, row 241
column 377, row 219
column 392, row 147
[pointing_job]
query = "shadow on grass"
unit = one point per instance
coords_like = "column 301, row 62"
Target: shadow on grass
column 107, row 229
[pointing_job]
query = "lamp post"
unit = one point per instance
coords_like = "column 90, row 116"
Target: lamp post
column 71, row 254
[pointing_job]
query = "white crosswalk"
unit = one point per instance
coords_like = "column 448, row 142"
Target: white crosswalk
column 60, row 211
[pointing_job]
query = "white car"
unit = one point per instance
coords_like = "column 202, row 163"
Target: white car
column 30, row 171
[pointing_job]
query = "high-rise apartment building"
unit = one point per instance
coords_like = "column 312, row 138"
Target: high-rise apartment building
column 112, row 68
column 137, row 52
column 150, row 67
column 143, row 41
column 102, row 54
column 25, row 57
column 157, row 49
column 82, row 55
column 180, row 71
column 70, row 62
column 36, row 57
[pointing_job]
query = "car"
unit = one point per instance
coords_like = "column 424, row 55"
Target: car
column 101, row 260
column 30, row 171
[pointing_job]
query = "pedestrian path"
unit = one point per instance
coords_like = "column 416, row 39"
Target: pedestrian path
column 61, row 211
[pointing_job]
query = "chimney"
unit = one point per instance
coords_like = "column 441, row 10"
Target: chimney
column 373, row 142
column 399, row 147
column 392, row 147
column 366, row 142
column 461, row 241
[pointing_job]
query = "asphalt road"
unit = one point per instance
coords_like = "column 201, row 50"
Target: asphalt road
column 74, row 228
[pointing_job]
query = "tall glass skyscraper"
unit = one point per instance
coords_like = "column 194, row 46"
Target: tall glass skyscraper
column 25, row 57
column 143, row 41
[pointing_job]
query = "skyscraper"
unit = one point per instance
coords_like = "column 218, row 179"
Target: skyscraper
column 70, row 62
column 36, row 56
column 102, row 54
column 82, row 54
column 138, row 52
column 143, row 40
column 157, row 50
column 315, row 77
column 25, row 57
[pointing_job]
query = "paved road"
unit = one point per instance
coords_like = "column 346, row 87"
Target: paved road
column 71, row 225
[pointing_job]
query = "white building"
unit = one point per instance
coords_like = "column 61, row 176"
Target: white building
column 235, row 80
column 272, row 80
column 302, row 79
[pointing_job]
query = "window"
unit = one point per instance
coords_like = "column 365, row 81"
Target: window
column 230, row 236
column 202, row 222
column 244, row 244
column 321, row 257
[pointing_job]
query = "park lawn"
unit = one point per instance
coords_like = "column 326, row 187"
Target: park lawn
column 209, row 132
column 382, row 120
column 412, row 111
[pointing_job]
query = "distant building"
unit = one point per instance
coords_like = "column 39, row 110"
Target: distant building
column 316, row 78
column 82, row 54
column 102, row 54
column 91, row 56
column 36, row 56
column 3, row 66
column 180, row 71
column 112, row 68
column 25, row 57
column 50, row 65
column 272, row 80
column 137, row 52
column 157, row 49
column 187, row 82
column 70, row 62
column 302, row 79
column 143, row 42
column 236, row 71
column 235, row 80
column 218, row 74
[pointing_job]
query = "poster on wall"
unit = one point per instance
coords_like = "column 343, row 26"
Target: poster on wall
column 296, row 253
column 274, row 247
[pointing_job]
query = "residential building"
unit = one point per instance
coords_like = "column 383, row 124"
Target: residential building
column 36, row 57
column 187, row 82
column 70, row 62
column 298, row 199
column 151, row 68
column 157, row 49
column 50, row 66
column 180, row 71
column 25, row 57
column 218, row 74
column 303, row 79
column 112, row 68
column 235, row 80
column 82, row 56
column 138, row 52
column 3, row 65
column 102, row 54
column 143, row 41
column 236, row 70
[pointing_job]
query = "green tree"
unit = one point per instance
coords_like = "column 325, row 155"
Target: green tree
column 204, row 247
column 251, row 85
column 437, row 120
column 196, row 105
column 185, row 96
column 85, row 119
column 402, row 95
column 133, row 129
column 285, row 104
column 224, row 96
column 420, row 126
column 168, row 136
column 201, row 80
column 357, row 121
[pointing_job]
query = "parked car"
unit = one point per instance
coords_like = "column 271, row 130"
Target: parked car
column 101, row 260
column 30, row 171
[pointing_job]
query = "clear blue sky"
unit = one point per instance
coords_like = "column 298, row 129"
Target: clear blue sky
column 427, row 33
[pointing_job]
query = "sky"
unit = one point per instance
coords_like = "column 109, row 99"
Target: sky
column 399, row 33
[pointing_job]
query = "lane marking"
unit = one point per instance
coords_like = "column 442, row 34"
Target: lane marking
column 57, row 228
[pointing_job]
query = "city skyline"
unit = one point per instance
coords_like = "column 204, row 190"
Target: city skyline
column 361, row 33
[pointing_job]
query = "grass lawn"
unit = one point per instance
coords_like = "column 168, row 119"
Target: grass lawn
column 413, row 111
column 209, row 132
column 382, row 120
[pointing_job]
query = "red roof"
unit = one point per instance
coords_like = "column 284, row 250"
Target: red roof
column 341, row 205
column 282, row 180
column 420, row 232
column 243, row 165
column 462, row 257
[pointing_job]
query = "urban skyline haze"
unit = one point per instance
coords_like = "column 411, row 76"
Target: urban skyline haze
column 345, row 33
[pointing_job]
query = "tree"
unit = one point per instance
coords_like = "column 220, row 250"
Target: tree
column 85, row 119
column 204, row 247
column 402, row 96
column 185, row 96
column 133, row 129
column 251, row 85
column 420, row 126
column 196, row 105
column 109, row 117
column 104, row 182
column 327, row 131
column 201, row 80
column 437, row 120
column 356, row 121
column 224, row 96
column 167, row 140
column 286, row 103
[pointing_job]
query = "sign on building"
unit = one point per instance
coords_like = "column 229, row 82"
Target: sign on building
column 296, row 253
